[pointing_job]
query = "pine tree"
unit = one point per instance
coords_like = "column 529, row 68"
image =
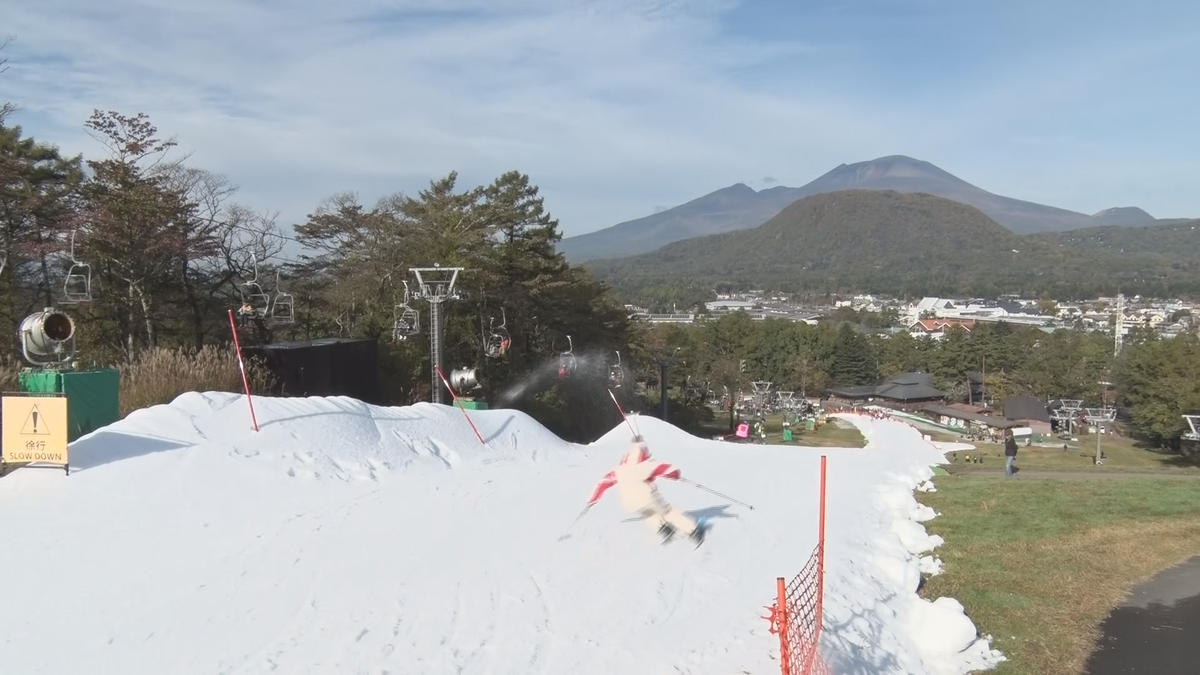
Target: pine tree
column 853, row 362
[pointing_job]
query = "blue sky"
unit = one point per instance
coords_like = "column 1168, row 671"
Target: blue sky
column 617, row 108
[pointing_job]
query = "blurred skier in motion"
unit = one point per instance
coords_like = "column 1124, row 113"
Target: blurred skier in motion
column 638, row 493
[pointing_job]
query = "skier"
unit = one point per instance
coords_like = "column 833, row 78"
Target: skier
column 634, row 479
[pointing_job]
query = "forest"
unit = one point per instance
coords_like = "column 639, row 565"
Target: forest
column 1157, row 379
column 149, row 254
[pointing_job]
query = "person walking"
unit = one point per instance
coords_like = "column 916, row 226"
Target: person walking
column 1010, row 453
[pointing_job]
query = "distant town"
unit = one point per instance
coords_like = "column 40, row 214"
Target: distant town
column 933, row 316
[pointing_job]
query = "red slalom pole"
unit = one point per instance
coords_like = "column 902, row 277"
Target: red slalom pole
column 626, row 417
column 237, row 345
column 460, row 405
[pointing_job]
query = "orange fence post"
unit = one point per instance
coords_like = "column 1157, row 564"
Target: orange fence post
column 799, row 608
column 821, row 561
column 781, row 604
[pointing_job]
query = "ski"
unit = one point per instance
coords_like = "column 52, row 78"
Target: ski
column 702, row 531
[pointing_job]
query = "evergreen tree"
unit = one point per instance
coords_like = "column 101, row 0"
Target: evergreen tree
column 38, row 191
column 853, row 362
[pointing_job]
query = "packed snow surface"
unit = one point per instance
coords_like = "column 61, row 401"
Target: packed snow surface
column 346, row 538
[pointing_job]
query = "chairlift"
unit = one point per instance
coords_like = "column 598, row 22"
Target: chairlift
column 498, row 339
column 256, row 303
column 407, row 321
column 77, row 287
column 566, row 360
column 616, row 375
column 283, row 308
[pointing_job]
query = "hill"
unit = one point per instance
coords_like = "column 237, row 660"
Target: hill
column 905, row 174
column 915, row 244
column 740, row 207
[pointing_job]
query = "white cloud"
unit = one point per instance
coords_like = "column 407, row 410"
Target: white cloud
column 612, row 106
column 609, row 105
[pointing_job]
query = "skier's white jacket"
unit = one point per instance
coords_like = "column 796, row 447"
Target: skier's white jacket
column 634, row 479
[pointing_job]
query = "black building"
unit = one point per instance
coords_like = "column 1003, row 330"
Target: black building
column 326, row 367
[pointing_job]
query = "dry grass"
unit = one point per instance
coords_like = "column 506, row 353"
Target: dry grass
column 159, row 376
column 1039, row 564
column 9, row 369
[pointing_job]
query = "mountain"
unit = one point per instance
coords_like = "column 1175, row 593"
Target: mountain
column 736, row 207
column 913, row 244
column 740, row 207
column 1122, row 215
column 905, row 174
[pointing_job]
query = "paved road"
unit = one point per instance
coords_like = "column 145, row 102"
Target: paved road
column 1156, row 631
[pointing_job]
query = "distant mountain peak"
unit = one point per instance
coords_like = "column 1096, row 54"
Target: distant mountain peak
column 1122, row 215
column 737, row 188
column 890, row 167
column 1130, row 210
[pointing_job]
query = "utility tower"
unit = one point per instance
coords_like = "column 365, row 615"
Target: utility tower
column 435, row 285
column 762, row 395
column 1119, row 328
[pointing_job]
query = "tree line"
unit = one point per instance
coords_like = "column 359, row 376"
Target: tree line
column 147, row 252
column 1157, row 379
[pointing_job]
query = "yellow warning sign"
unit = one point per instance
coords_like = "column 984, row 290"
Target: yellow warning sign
column 34, row 429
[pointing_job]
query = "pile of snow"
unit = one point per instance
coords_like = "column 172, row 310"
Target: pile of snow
column 349, row 538
column 875, row 621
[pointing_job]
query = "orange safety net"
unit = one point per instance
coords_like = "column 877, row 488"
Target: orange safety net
column 796, row 617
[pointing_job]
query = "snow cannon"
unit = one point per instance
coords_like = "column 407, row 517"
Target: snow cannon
column 47, row 337
column 465, row 383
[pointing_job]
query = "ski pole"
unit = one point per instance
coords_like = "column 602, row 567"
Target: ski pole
column 620, row 410
column 572, row 525
column 722, row 496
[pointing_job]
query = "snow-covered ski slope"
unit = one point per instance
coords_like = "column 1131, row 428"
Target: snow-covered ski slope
column 345, row 538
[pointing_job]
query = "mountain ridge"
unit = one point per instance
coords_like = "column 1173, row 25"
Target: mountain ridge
column 914, row 244
column 740, row 207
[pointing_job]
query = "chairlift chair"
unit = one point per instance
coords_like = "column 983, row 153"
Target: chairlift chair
column 566, row 360
column 77, row 286
column 256, row 302
column 616, row 375
column 498, row 339
column 407, row 321
column 283, row 308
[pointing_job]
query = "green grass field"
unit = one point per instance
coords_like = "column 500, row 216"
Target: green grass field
column 1038, row 564
column 1121, row 453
